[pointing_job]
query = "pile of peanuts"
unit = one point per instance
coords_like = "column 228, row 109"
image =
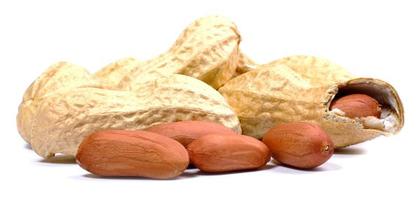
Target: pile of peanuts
column 204, row 104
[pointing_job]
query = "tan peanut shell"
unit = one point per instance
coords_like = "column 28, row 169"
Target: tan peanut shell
column 59, row 76
column 207, row 50
column 301, row 65
column 111, row 75
column 244, row 64
column 64, row 118
column 317, row 71
column 301, row 88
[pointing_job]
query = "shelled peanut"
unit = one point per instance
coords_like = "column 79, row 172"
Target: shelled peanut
column 214, row 148
column 299, row 144
column 225, row 153
column 357, row 105
column 132, row 153
column 211, row 147
column 185, row 132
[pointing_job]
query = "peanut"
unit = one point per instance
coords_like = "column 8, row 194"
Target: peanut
column 186, row 132
column 300, row 145
column 132, row 153
column 111, row 75
column 64, row 118
column 301, row 88
column 207, row 50
column 245, row 64
column 58, row 77
column 66, row 103
column 227, row 152
column 357, row 105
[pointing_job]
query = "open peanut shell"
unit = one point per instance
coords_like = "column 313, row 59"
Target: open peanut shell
column 301, row 88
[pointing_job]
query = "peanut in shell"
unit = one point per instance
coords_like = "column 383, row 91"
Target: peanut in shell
column 301, row 88
column 207, row 50
column 59, row 76
column 64, row 118
column 111, row 75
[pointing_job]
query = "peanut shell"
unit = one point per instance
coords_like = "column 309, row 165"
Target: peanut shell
column 111, row 75
column 301, row 88
column 207, row 50
column 65, row 118
column 244, row 64
column 58, row 77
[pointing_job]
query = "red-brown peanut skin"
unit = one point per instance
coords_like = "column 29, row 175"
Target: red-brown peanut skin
column 357, row 105
column 187, row 131
column 300, row 145
column 132, row 153
column 225, row 153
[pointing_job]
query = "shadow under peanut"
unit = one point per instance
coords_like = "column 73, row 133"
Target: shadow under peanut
column 189, row 173
column 93, row 176
column 28, row 147
column 351, row 150
column 326, row 167
column 59, row 159
column 197, row 172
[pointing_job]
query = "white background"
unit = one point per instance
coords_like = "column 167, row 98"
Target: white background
column 375, row 39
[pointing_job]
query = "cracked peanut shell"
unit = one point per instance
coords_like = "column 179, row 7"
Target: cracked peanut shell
column 301, row 88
